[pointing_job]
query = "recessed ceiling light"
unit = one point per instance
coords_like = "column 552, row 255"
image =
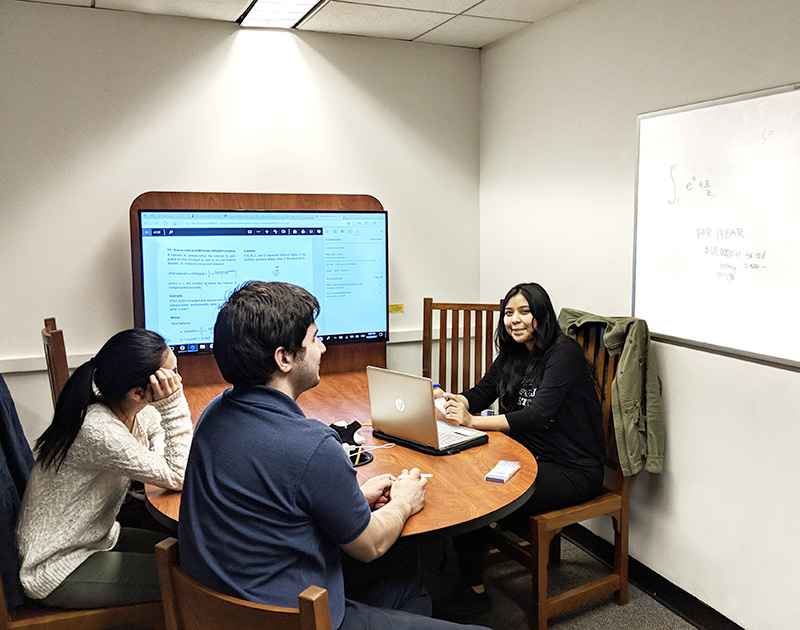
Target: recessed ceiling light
column 278, row 13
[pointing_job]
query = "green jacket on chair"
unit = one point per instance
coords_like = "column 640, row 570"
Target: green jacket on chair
column 635, row 392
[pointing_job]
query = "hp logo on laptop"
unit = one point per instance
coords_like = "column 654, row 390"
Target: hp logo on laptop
column 400, row 405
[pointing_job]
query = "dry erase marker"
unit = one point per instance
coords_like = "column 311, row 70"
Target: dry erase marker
column 426, row 475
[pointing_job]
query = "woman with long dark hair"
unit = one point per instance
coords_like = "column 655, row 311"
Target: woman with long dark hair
column 547, row 400
column 121, row 416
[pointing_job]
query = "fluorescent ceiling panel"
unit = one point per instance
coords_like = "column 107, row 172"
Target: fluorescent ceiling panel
column 278, row 13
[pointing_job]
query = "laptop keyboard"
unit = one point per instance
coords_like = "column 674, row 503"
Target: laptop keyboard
column 448, row 435
column 446, row 438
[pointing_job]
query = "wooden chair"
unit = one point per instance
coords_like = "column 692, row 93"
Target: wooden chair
column 189, row 605
column 534, row 545
column 55, row 353
column 466, row 342
column 148, row 616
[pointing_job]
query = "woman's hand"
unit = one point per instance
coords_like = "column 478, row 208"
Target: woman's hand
column 163, row 383
column 457, row 408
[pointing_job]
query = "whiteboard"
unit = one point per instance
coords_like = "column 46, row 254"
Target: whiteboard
column 716, row 260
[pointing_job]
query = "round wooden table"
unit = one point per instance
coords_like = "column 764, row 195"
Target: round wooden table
column 458, row 499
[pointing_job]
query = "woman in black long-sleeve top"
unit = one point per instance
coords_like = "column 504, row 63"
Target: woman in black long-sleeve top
column 547, row 400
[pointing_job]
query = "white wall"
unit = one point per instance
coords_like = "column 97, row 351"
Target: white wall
column 558, row 162
column 97, row 107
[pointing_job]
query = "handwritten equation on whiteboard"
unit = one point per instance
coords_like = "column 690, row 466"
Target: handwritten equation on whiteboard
column 691, row 185
column 717, row 244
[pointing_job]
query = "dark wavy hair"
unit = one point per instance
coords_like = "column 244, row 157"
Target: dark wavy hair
column 257, row 319
column 125, row 362
column 547, row 330
column 519, row 361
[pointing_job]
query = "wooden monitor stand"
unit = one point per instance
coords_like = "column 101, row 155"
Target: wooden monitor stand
column 202, row 380
column 200, row 370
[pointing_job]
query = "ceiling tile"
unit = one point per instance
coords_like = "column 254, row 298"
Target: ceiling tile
column 227, row 10
column 466, row 23
column 372, row 21
column 471, row 32
column 71, row 3
column 437, row 6
column 525, row 10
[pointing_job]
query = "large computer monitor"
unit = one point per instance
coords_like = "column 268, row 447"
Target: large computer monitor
column 189, row 261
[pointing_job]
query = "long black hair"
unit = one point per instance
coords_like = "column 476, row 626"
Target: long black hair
column 521, row 363
column 125, row 362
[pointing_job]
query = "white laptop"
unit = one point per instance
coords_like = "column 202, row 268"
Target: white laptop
column 403, row 412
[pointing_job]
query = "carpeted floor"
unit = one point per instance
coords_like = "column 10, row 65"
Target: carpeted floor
column 509, row 587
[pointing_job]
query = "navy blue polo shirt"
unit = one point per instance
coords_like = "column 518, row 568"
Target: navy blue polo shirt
column 269, row 496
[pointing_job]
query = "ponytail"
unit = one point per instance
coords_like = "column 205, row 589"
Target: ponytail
column 52, row 446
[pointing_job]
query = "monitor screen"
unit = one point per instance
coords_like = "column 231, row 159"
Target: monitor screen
column 191, row 260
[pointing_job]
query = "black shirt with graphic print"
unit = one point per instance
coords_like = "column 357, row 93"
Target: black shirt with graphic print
column 558, row 418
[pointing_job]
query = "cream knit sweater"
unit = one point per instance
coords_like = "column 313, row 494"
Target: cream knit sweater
column 70, row 513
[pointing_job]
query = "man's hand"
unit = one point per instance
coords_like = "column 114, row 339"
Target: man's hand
column 410, row 489
column 407, row 497
column 377, row 489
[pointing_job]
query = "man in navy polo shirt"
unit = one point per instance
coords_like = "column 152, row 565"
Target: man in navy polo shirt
column 270, row 498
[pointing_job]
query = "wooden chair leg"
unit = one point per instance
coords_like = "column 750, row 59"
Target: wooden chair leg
column 621, row 561
column 555, row 549
column 539, row 570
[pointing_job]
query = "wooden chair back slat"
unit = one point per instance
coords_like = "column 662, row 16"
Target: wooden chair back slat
column 466, row 362
column 465, row 342
column 605, row 365
column 55, row 354
column 188, row 605
column 488, row 355
column 454, row 335
column 442, row 345
column 479, row 351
